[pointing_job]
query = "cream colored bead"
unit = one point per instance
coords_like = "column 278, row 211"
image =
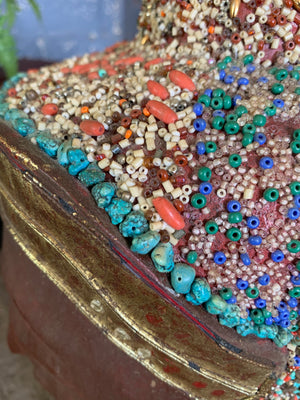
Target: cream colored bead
column 157, row 161
column 183, row 144
column 135, row 191
column 149, row 135
column 76, row 143
column 150, row 144
column 104, row 163
column 139, row 141
column 124, row 143
column 156, row 226
column 176, row 193
column 158, row 193
column 167, row 185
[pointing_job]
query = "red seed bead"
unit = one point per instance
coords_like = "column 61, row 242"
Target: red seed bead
column 135, row 113
column 49, row 109
column 125, row 122
column 271, row 21
column 290, row 45
column 297, row 19
column 181, row 160
column 92, row 128
column 297, row 39
column 260, row 44
column 289, row 3
column 99, row 157
column 281, row 19
column 12, row 92
column 235, row 38
column 162, row 175
column 178, row 205
column 276, row 12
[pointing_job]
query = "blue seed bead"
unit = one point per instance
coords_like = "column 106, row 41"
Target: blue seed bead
column 253, row 222
column 205, row 188
column 284, row 314
column 263, row 79
column 219, row 257
column 234, row 206
column 260, row 138
column 278, row 103
column 229, row 79
column 219, row 113
column 250, row 68
column 264, row 280
column 208, row 92
column 243, row 81
column 293, row 213
column 269, row 321
column 241, row 284
column 277, row 256
column 297, row 200
column 293, row 302
column 234, row 68
column 232, row 300
column 285, row 323
column 200, row 147
column 297, row 361
column 198, row 109
column 222, row 74
column 266, row 163
column 236, row 98
column 245, row 259
column 276, row 320
column 199, row 124
column 255, row 240
column 260, row 303
column 281, row 306
column 295, row 280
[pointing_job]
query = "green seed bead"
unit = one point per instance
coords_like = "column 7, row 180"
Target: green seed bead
column 218, row 123
column 257, row 316
column 227, row 102
column 249, row 128
column 234, row 234
column 210, row 147
column 240, row 110
column 216, row 103
column 198, row 200
column 211, row 227
column 227, row 60
column 248, row 59
column 294, row 328
column 231, row 118
column 273, row 70
column 204, row 174
column 204, row 99
column 235, row 217
column 270, row 111
column 221, row 65
column 266, row 313
column 225, row 293
column 259, row 120
column 293, row 315
column 295, row 74
column 296, row 134
column 218, row 93
column 297, row 90
column 298, row 265
column 235, row 160
column 277, row 88
column 293, row 246
column 295, row 188
column 295, row 146
column 295, row 292
column 271, row 194
column 247, row 139
column 281, row 74
column 192, row 257
column 231, row 128
column 252, row 292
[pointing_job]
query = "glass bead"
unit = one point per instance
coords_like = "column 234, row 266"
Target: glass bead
column 205, row 188
column 178, row 205
column 231, row 118
column 204, row 174
column 217, row 103
column 245, row 259
column 260, row 138
column 210, row 147
column 296, row 134
column 200, row 148
column 295, row 292
column 264, row 280
column 277, row 88
column 235, row 217
column 297, row 200
column 243, row 81
column 266, row 163
column 192, row 257
column 211, row 227
column 241, row 284
column 234, row 234
column 259, row 120
column 248, row 59
column 162, row 175
column 293, row 246
column 281, row 74
column 218, row 93
column 257, row 316
column 218, row 123
column 252, row 292
column 255, row 240
column 249, row 129
column 295, row 146
column 270, row 111
column 198, row 200
column 204, row 99
column 181, row 160
column 293, row 213
column 225, row 293
column 233, row 206
column 278, row 103
column 253, row 222
column 199, row 124
column 271, row 194
column 295, row 188
column 240, row 110
column 219, row 258
column 277, row 256
column 198, row 109
column 227, row 102
column 295, row 75
column 235, row 160
column 231, row 128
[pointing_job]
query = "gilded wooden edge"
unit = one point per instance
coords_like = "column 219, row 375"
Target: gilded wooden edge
column 123, row 306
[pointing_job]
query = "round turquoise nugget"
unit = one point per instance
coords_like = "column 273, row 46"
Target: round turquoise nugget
column 24, row 126
column 78, row 161
column 231, row 316
column 182, row 278
column 200, row 292
column 145, row 242
column 134, row 224
column 103, row 193
column 216, row 305
column 91, row 175
column 48, row 143
column 163, row 257
column 117, row 210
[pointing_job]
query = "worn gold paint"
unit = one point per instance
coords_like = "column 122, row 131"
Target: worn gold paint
column 296, row 4
column 234, row 8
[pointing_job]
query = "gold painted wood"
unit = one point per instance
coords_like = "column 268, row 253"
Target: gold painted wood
column 234, row 8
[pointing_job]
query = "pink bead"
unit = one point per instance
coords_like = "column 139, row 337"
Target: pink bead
column 182, row 80
column 157, row 89
column 161, row 111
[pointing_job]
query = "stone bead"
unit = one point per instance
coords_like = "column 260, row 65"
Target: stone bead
column 163, row 257
column 182, row 278
column 231, row 316
column 266, row 331
column 91, row 175
column 62, row 153
column 145, row 242
column 3, row 109
column 216, row 305
column 103, row 193
column 24, row 126
column 283, row 337
column 134, row 224
column 48, row 143
column 246, row 328
column 200, row 292
column 14, row 113
column 118, row 209
column 78, row 161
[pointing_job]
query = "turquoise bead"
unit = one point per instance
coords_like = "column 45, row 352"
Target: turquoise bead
column 283, row 337
column 91, row 175
column 134, row 224
column 78, row 161
column 200, row 292
column 246, row 328
column 103, row 193
column 14, row 113
column 48, row 143
column 3, row 109
column 182, row 278
column 24, row 126
column 216, row 305
column 117, row 210
column 163, row 257
column 266, row 331
column 144, row 243
column 231, row 316
column 62, row 153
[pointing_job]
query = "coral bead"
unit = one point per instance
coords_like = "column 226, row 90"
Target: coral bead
column 49, row 109
column 182, row 80
column 168, row 213
column 157, row 89
column 92, row 128
column 161, row 111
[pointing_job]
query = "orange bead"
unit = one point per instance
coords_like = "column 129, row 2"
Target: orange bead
column 84, row 110
column 182, row 80
column 146, row 112
column 92, row 128
column 178, row 205
column 49, row 109
column 161, row 111
column 157, row 89
column 211, row 29
column 129, row 60
column 128, row 134
column 162, row 175
column 168, row 213
column 153, row 62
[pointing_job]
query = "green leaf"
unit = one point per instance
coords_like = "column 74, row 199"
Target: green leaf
column 8, row 56
column 11, row 11
column 35, row 8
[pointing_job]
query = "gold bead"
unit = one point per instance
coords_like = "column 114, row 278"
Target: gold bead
column 296, row 4
column 234, row 7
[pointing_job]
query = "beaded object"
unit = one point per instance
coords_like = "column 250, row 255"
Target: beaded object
column 192, row 146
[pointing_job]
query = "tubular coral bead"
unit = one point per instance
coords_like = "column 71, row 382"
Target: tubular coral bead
column 92, row 128
column 161, row 111
column 182, row 80
column 157, row 89
column 168, row 213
